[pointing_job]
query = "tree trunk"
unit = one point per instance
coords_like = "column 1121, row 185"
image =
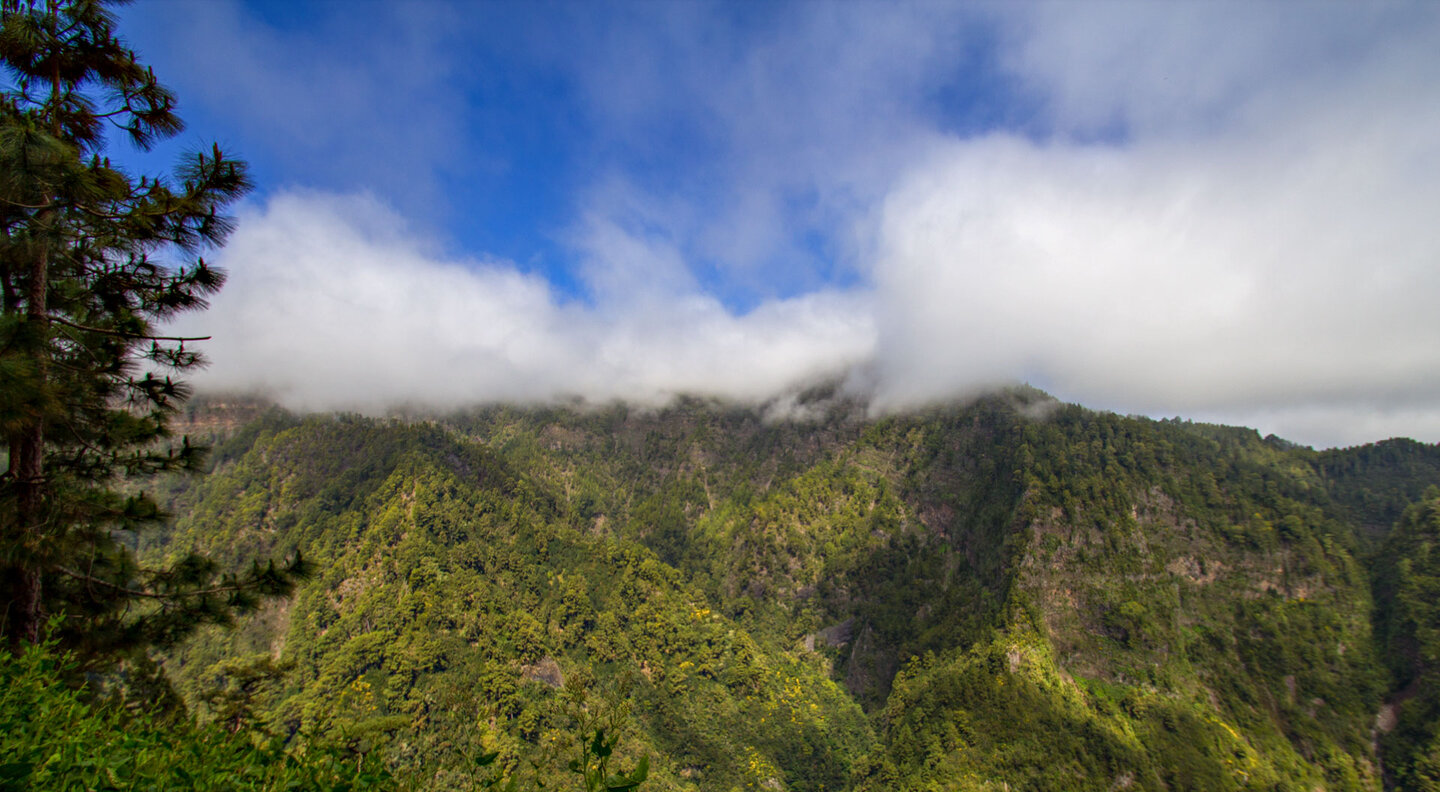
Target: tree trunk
column 28, row 466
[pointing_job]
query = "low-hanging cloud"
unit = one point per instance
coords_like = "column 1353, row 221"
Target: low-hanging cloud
column 1213, row 213
column 1256, row 244
column 1159, row 278
column 332, row 303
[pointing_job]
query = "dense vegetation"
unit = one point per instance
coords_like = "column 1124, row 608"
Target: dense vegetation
column 57, row 736
column 1377, row 482
column 1010, row 591
column 89, row 271
column 1407, row 585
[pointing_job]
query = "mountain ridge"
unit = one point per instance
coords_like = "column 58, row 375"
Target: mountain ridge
column 1134, row 578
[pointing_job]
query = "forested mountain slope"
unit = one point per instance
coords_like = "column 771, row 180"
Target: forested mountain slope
column 1407, row 588
column 1009, row 591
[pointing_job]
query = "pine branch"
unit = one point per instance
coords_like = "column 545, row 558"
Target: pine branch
column 123, row 334
column 20, row 205
column 84, row 578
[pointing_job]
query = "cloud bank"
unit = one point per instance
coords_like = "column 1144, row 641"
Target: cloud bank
column 332, row 303
column 1205, row 210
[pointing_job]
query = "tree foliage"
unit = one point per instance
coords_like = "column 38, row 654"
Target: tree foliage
column 54, row 737
column 1407, row 589
column 1092, row 600
column 87, row 279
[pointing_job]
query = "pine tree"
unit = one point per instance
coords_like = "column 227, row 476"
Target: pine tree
column 86, row 380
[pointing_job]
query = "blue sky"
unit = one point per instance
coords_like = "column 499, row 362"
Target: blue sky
column 491, row 126
column 1214, row 210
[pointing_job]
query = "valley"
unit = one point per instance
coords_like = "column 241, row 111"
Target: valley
column 1009, row 591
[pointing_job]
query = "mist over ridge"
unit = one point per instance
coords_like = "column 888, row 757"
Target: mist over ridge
column 333, row 304
column 798, row 397
column 1204, row 211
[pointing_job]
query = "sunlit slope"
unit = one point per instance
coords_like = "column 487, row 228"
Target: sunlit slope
column 1070, row 599
column 453, row 594
column 1185, row 612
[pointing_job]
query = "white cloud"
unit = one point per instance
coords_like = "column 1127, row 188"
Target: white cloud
column 757, row 129
column 1218, row 211
column 1154, row 279
column 1279, row 268
column 1190, row 69
column 332, row 304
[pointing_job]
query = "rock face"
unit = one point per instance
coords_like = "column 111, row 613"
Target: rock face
column 1045, row 598
column 836, row 635
column 546, row 672
column 216, row 417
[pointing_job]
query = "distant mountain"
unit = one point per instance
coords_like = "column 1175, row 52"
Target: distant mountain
column 1010, row 591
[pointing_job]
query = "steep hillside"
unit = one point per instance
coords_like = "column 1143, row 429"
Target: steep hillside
column 1182, row 616
column 1407, row 587
column 455, row 601
column 1375, row 483
column 1017, row 592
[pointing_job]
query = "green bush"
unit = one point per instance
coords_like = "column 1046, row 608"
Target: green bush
column 57, row 737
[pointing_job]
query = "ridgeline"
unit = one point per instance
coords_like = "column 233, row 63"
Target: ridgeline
column 1008, row 591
